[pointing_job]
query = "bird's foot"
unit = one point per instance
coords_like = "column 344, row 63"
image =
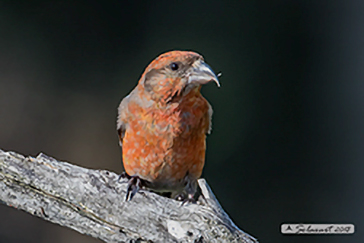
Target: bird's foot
column 190, row 198
column 189, row 192
column 135, row 183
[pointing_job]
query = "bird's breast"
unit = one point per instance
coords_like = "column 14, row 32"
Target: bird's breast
column 163, row 144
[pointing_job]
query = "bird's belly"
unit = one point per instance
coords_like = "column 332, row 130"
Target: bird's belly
column 164, row 158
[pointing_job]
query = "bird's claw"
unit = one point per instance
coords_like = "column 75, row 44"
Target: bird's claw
column 189, row 199
column 123, row 175
column 134, row 185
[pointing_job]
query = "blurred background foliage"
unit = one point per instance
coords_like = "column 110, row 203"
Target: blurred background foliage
column 287, row 141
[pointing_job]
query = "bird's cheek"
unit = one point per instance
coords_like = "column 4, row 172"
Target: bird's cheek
column 161, row 82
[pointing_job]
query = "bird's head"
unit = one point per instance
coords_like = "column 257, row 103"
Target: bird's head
column 175, row 74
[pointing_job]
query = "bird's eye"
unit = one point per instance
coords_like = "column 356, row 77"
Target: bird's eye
column 173, row 66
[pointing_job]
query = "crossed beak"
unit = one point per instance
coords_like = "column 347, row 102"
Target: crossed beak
column 202, row 74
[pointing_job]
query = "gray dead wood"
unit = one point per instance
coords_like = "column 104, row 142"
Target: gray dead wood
column 92, row 202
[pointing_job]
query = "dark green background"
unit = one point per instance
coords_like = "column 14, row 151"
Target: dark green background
column 287, row 141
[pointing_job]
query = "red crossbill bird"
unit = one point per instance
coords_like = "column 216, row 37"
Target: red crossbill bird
column 162, row 125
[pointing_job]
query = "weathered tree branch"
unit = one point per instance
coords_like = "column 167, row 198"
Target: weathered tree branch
column 91, row 202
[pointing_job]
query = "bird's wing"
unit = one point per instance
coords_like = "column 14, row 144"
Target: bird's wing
column 209, row 119
column 123, row 113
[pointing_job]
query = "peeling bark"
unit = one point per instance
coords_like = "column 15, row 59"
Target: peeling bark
column 92, row 202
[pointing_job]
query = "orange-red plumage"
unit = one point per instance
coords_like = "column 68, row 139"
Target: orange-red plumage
column 163, row 123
